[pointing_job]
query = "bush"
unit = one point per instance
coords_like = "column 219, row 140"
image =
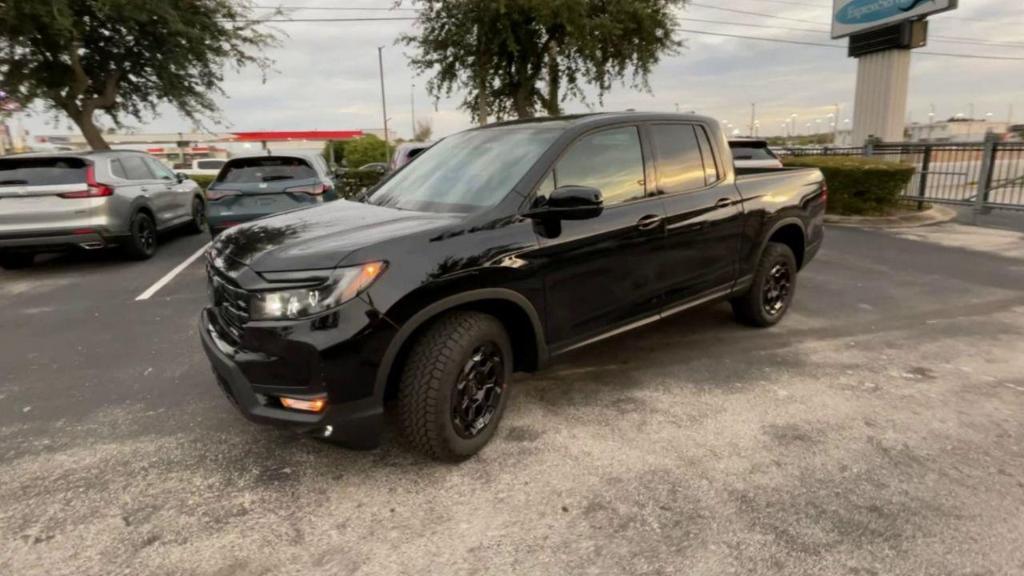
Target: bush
column 353, row 182
column 203, row 181
column 857, row 185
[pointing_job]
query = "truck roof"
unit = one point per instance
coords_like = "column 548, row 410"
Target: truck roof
column 598, row 118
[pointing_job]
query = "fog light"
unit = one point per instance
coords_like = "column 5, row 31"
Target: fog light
column 314, row 405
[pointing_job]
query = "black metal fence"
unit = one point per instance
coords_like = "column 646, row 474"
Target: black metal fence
column 984, row 175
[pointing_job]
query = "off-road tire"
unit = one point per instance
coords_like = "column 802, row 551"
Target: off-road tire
column 750, row 309
column 428, row 382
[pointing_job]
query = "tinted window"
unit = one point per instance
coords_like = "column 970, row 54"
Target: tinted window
column 209, row 164
column 117, row 169
column 751, row 151
column 135, row 168
column 161, row 170
column 680, row 167
column 710, row 167
column 467, row 171
column 41, row 171
column 266, row 169
column 610, row 161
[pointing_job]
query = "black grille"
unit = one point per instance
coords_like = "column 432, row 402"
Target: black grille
column 230, row 301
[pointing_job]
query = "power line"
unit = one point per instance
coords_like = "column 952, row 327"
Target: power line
column 749, row 13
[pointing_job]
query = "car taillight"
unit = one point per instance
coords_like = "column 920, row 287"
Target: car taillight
column 214, row 195
column 314, row 190
column 824, row 192
column 93, row 189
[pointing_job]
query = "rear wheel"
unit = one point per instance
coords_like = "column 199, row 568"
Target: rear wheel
column 141, row 243
column 198, row 223
column 454, row 385
column 16, row 260
column 772, row 289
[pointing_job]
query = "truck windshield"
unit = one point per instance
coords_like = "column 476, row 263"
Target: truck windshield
column 466, row 172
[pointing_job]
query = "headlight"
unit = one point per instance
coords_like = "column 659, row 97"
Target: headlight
column 342, row 285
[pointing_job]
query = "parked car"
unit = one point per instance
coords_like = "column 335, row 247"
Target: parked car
column 205, row 167
column 406, row 151
column 753, row 153
column 251, row 187
column 91, row 200
column 496, row 250
column 378, row 167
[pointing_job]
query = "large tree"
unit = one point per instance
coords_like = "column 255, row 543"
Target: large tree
column 125, row 57
column 518, row 57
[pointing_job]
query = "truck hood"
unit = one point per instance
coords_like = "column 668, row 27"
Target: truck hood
column 318, row 238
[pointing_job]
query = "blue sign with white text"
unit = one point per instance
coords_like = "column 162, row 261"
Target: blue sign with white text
column 866, row 11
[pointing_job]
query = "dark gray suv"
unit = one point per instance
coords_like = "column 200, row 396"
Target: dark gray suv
column 91, row 200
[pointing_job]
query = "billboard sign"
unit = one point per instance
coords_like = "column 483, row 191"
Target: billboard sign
column 854, row 16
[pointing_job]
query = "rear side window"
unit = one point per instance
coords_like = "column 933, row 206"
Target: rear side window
column 611, row 161
column 266, row 169
column 680, row 167
column 710, row 166
column 751, row 151
column 41, row 171
column 135, row 168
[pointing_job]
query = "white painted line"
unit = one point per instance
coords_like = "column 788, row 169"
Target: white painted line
column 170, row 275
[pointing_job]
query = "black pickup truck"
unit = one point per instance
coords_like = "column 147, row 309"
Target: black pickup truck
column 496, row 250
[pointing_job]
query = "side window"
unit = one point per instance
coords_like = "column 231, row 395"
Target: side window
column 610, row 161
column 135, row 168
column 161, row 171
column 710, row 167
column 117, row 169
column 677, row 154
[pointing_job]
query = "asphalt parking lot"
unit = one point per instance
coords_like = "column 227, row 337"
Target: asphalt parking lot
column 877, row 430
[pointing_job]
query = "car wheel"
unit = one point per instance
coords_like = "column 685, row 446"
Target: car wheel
column 772, row 289
column 142, row 242
column 454, row 385
column 198, row 223
column 16, row 260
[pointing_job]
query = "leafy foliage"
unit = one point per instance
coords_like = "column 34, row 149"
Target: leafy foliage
column 857, row 185
column 204, row 180
column 424, row 130
column 124, row 57
column 515, row 57
column 352, row 182
column 364, row 150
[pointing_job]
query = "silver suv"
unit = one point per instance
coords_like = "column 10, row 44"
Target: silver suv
column 91, row 200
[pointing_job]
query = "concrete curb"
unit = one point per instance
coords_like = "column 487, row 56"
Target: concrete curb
column 934, row 215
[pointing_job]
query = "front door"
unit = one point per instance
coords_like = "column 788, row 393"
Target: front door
column 599, row 274
column 704, row 215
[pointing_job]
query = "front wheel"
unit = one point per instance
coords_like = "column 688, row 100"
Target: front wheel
column 771, row 291
column 454, row 385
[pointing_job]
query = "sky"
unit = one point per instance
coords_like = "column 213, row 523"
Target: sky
column 325, row 75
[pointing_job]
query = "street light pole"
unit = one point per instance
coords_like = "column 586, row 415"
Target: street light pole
column 412, row 106
column 383, row 104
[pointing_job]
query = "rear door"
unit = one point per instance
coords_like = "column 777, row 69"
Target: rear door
column 146, row 183
column 179, row 195
column 704, row 215
column 30, row 194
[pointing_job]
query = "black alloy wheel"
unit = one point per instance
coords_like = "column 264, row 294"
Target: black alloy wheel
column 478, row 391
column 776, row 288
column 198, row 224
column 771, row 289
column 142, row 243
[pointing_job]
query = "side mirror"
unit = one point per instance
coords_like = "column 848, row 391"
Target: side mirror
column 181, row 176
column 570, row 203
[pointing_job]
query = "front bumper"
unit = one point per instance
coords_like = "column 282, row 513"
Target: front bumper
column 356, row 423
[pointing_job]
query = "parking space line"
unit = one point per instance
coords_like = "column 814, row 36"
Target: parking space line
column 170, row 275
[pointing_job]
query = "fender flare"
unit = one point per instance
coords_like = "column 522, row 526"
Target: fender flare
column 443, row 305
column 775, row 228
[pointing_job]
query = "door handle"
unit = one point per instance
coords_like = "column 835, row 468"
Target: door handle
column 649, row 222
column 723, row 203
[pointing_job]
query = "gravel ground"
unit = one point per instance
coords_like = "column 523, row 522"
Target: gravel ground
column 877, row 430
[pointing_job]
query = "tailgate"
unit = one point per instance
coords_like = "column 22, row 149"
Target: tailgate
column 30, row 189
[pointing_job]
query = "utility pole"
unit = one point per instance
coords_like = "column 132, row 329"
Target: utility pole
column 412, row 107
column 383, row 104
column 835, row 127
column 753, row 117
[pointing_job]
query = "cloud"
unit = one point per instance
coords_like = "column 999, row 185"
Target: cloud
column 326, row 74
